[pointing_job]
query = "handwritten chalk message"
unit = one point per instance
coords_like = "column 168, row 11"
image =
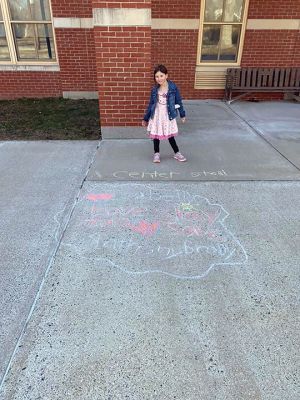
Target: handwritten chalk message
column 141, row 229
column 156, row 175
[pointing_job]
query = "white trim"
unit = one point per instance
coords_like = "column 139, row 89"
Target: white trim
column 122, row 17
column 80, row 95
column 181, row 23
column 8, row 31
column 80, row 23
column 17, row 67
column 175, row 23
column 273, row 24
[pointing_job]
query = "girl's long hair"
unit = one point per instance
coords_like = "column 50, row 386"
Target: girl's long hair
column 160, row 68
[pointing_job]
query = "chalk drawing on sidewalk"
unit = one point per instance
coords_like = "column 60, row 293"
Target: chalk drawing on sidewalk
column 157, row 175
column 149, row 230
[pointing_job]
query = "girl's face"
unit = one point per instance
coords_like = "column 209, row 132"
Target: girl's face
column 161, row 78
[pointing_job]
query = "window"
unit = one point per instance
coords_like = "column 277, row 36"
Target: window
column 222, row 28
column 4, row 52
column 221, row 37
column 26, row 32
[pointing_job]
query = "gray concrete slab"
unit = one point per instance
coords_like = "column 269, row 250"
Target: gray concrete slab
column 288, row 111
column 120, row 132
column 217, row 143
column 157, row 290
column 278, row 122
column 169, row 291
column 39, row 183
column 198, row 111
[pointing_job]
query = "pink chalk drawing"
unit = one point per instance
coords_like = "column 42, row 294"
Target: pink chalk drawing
column 145, row 229
column 100, row 196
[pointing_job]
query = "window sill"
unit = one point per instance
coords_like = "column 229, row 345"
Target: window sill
column 28, row 67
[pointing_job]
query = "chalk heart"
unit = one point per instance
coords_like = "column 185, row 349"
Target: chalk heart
column 144, row 228
column 99, row 196
column 172, row 232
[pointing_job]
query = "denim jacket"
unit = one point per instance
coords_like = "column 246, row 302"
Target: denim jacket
column 173, row 97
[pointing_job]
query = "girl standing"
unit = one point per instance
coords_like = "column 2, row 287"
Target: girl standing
column 161, row 113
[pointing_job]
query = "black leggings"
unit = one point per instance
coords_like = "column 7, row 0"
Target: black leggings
column 172, row 142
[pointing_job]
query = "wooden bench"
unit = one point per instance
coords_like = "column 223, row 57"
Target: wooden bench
column 247, row 80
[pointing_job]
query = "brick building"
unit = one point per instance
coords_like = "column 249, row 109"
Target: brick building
column 107, row 48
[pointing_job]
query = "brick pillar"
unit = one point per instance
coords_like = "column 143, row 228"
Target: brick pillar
column 123, row 60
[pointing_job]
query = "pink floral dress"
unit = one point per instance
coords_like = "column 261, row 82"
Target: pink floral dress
column 160, row 127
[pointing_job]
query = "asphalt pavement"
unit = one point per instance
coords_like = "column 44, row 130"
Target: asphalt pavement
column 124, row 279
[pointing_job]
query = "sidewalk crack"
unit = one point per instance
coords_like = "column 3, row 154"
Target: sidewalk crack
column 260, row 134
column 58, row 236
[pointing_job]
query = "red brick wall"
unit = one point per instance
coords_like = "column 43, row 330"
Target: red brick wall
column 271, row 48
column 76, row 53
column 75, row 47
column 270, row 9
column 176, row 9
column 77, row 59
column 179, row 56
column 180, row 59
column 16, row 84
column 121, row 67
column 261, row 48
column 283, row 9
column 72, row 8
column 123, row 60
column 121, row 4
column 296, row 57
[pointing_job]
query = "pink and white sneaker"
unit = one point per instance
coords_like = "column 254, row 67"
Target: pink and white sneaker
column 156, row 158
column 179, row 157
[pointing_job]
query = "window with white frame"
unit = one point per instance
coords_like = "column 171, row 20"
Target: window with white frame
column 4, row 52
column 222, row 28
column 26, row 31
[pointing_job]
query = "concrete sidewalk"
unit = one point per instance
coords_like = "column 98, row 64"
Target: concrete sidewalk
column 221, row 143
column 176, row 281
column 39, row 182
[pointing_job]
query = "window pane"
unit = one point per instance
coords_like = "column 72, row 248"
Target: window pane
column 29, row 10
column 45, row 49
column 213, row 10
column 25, row 41
column 210, row 43
column 229, row 42
column 233, row 10
column 34, row 41
column 4, row 53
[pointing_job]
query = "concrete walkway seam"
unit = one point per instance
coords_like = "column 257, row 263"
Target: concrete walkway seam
column 51, row 259
column 259, row 133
